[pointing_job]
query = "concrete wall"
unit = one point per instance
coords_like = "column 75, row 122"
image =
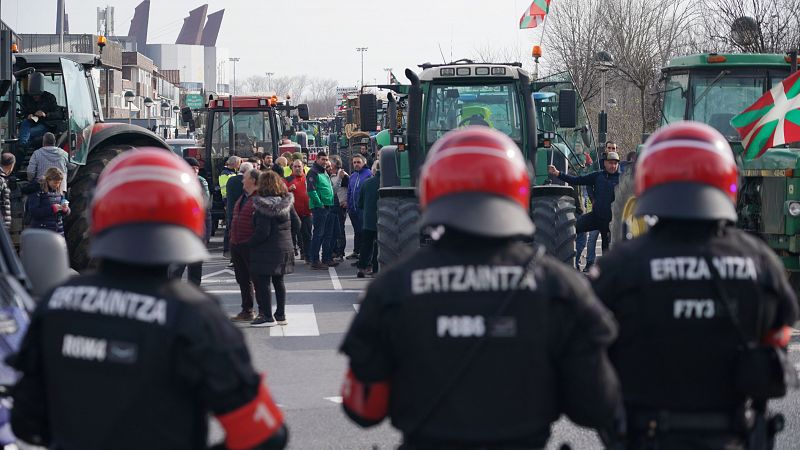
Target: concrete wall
column 189, row 59
column 217, row 68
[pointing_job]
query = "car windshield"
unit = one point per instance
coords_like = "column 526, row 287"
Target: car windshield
column 252, row 133
column 492, row 105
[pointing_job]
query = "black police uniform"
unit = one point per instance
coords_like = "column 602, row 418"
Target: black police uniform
column 127, row 359
column 677, row 344
column 544, row 356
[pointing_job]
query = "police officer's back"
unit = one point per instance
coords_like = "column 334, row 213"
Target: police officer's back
column 126, row 358
column 680, row 348
column 467, row 344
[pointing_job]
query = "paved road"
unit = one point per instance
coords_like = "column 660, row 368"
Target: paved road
column 305, row 370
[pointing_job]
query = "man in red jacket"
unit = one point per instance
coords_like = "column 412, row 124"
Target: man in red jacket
column 241, row 231
column 297, row 186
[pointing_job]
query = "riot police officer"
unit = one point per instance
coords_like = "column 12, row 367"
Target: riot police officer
column 694, row 297
column 127, row 358
column 479, row 340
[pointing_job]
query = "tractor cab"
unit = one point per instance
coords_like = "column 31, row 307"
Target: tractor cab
column 67, row 80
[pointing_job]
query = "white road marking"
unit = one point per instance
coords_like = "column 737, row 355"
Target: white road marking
column 356, row 306
column 302, row 322
column 219, row 272
column 293, row 291
column 335, row 279
column 337, row 399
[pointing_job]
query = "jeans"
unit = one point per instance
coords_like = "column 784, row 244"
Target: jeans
column 591, row 249
column 30, row 130
column 367, row 255
column 338, row 228
column 591, row 222
column 240, row 257
column 304, row 238
column 195, row 272
column 341, row 239
column 226, row 237
column 357, row 220
column 264, row 296
column 323, row 234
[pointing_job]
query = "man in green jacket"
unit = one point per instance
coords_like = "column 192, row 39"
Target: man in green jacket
column 368, row 204
column 320, row 196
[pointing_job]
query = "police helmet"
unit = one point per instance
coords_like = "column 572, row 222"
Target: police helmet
column 148, row 209
column 687, row 171
column 475, row 180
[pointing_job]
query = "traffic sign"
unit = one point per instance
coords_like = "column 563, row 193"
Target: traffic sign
column 194, row 101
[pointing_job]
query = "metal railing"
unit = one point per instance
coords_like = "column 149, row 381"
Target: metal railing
column 73, row 43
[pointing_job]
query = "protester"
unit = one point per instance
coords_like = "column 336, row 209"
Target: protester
column 320, row 193
column 48, row 207
column 46, row 157
column 360, row 174
column 242, row 230
column 368, row 205
column 296, row 184
column 271, row 247
column 339, row 180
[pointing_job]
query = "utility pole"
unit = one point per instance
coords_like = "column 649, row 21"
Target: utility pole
column 269, row 81
column 388, row 74
column 234, row 60
column 231, row 131
column 61, row 27
column 362, row 50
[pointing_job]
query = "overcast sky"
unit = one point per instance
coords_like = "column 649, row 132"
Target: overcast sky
column 313, row 37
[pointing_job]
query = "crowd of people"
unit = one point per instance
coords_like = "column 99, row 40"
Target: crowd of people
column 270, row 225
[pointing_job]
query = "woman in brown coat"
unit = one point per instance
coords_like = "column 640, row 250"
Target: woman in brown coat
column 271, row 248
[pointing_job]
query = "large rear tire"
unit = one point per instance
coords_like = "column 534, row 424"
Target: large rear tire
column 398, row 228
column 624, row 224
column 553, row 214
column 81, row 192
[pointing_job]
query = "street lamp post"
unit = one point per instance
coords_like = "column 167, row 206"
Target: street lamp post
column 605, row 61
column 176, row 110
column 269, row 81
column 234, row 61
column 129, row 96
column 362, row 50
column 148, row 103
column 164, row 113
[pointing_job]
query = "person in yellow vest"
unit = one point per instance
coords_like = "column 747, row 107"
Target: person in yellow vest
column 230, row 170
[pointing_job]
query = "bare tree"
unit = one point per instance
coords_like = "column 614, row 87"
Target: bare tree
column 574, row 33
column 777, row 25
column 643, row 35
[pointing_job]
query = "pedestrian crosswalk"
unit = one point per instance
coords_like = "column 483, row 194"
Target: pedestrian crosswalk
column 303, row 321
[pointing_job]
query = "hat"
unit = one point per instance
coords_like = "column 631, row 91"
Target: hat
column 192, row 161
column 612, row 156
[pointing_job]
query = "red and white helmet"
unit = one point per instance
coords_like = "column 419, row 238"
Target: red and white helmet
column 148, row 209
column 475, row 180
column 687, row 171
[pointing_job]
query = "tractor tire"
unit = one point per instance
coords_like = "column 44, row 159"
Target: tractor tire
column 554, row 218
column 398, row 228
column 81, row 190
column 623, row 193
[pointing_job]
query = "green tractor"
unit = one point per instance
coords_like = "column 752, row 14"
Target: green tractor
column 713, row 88
column 449, row 96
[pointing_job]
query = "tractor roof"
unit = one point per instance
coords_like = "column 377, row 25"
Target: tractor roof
column 465, row 71
column 86, row 59
column 732, row 60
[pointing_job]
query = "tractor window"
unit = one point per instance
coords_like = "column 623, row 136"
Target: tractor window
column 495, row 106
column 80, row 104
column 717, row 99
column 675, row 93
column 252, row 133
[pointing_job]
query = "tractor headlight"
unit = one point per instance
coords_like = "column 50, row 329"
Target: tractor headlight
column 794, row 209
